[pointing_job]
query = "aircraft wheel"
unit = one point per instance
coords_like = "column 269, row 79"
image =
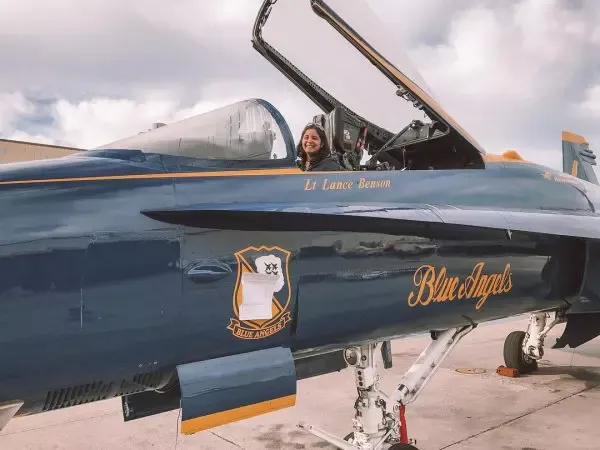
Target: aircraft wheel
column 514, row 357
column 397, row 446
column 403, row 447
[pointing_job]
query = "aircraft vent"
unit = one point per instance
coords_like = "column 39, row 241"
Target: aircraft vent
column 77, row 395
column 100, row 390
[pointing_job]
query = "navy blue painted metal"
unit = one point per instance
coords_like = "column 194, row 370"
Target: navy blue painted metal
column 120, row 266
column 222, row 384
column 94, row 291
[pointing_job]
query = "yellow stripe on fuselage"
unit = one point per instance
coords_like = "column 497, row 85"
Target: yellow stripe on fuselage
column 146, row 176
column 197, row 424
column 508, row 156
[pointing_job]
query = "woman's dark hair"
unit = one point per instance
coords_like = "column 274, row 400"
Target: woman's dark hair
column 323, row 152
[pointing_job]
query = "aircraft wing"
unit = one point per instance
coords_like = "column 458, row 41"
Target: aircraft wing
column 379, row 218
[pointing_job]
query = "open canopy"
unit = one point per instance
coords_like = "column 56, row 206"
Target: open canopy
column 341, row 54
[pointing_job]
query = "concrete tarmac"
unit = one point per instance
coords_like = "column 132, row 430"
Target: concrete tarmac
column 555, row 408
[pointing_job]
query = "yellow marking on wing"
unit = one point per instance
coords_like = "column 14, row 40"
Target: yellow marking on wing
column 197, row 424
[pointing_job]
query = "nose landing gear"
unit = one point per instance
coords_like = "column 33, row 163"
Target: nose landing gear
column 379, row 421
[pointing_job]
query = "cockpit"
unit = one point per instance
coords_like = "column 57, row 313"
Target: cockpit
column 378, row 92
column 419, row 146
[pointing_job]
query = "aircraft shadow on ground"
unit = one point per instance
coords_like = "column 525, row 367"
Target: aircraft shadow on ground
column 590, row 374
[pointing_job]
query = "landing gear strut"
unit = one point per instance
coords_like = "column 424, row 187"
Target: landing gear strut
column 522, row 350
column 379, row 419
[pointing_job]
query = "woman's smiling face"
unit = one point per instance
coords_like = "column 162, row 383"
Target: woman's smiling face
column 311, row 142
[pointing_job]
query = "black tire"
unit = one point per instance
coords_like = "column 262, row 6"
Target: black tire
column 403, row 447
column 393, row 447
column 514, row 358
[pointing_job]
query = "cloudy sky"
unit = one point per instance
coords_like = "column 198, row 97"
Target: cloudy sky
column 83, row 73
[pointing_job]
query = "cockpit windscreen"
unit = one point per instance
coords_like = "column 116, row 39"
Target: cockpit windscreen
column 247, row 130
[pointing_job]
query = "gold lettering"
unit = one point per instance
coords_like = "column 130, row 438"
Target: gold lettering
column 346, row 185
column 310, row 185
column 507, row 276
column 337, row 185
column 363, row 183
column 241, row 332
column 495, row 284
column 481, row 285
column 423, row 278
column 453, row 283
column 433, row 285
column 440, row 286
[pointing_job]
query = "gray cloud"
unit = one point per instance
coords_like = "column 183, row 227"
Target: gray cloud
column 515, row 73
column 112, row 47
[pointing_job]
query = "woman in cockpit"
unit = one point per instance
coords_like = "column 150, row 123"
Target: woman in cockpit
column 313, row 150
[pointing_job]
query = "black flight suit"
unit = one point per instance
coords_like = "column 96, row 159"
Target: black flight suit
column 326, row 164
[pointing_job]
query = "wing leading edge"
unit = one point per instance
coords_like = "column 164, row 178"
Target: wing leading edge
column 390, row 219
